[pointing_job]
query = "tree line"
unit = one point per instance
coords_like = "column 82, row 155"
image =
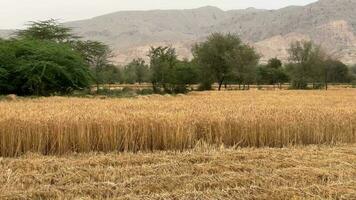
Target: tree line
column 46, row 59
column 224, row 59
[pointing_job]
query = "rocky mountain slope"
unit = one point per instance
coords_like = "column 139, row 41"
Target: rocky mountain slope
column 330, row 23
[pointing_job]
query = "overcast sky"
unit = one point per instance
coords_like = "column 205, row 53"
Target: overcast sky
column 15, row 13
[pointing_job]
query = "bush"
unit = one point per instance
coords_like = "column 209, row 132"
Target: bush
column 180, row 89
column 205, row 86
column 145, row 92
column 299, row 84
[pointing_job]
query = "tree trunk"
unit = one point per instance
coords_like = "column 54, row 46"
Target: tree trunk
column 326, row 80
column 97, row 79
column 154, row 87
column 220, row 84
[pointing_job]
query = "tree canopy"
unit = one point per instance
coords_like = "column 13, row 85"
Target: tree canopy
column 37, row 67
column 97, row 55
column 224, row 57
column 137, row 71
column 42, row 60
column 47, row 30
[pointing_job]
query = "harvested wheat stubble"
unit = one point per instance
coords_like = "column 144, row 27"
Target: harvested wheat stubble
column 313, row 172
column 248, row 119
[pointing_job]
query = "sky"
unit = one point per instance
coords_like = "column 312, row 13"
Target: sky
column 15, row 13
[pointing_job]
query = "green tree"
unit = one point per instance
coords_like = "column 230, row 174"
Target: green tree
column 274, row 63
column 306, row 64
column 34, row 67
column 184, row 73
column 243, row 60
column 336, row 71
column 162, row 62
column 47, row 30
column 7, row 63
column 97, row 55
column 137, row 71
column 272, row 73
column 352, row 73
column 111, row 74
column 224, row 57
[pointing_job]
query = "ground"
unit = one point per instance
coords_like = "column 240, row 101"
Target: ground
column 312, row 172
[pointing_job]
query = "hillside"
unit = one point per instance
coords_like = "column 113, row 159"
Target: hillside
column 331, row 23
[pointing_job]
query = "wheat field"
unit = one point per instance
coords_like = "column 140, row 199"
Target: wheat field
column 59, row 125
column 204, row 173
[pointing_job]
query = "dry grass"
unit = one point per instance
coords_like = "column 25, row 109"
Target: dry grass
column 313, row 172
column 247, row 119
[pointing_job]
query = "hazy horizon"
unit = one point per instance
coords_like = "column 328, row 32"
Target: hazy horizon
column 81, row 9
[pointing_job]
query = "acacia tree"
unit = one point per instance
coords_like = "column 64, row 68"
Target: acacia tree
column 39, row 67
column 97, row 55
column 47, row 30
column 223, row 57
column 40, row 60
column 7, row 62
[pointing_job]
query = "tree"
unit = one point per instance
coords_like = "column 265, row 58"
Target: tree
column 136, row 71
column 162, row 60
column 352, row 74
column 223, row 57
column 335, row 71
column 306, row 63
column 243, row 61
column 272, row 73
column 142, row 70
column 111, row 74
column 97, row 55
column 274, row 63
column 7, row 62
column 184, row 73
column 47, row 30
column 34, row 67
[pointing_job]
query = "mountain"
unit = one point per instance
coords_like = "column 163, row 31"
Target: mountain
column 330, row 23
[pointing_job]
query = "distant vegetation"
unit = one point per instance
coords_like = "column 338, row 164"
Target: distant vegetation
column 46, row 59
